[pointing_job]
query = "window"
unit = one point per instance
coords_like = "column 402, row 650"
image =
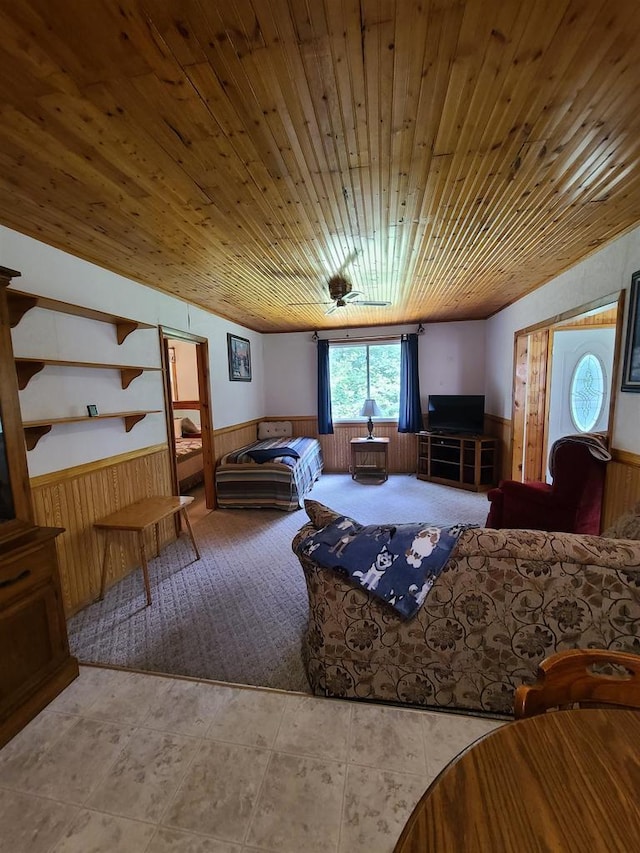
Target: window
column 587, row 392
column 362, row 371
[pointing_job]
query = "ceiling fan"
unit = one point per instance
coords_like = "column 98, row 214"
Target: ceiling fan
column 342, row 294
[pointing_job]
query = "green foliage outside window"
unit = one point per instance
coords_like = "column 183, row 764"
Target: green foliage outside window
column 358, row 372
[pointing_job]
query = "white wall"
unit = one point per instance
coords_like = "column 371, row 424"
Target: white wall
column 451, row 357
column 606, row 272
column 64, row 392
column 186, row 370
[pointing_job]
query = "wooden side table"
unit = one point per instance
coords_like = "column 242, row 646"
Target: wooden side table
column 369, row 457
column 137, row 517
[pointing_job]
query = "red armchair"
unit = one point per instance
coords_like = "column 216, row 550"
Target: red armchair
column 572, row 504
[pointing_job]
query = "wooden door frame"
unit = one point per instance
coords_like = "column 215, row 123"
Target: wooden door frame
column 204, row 390
column 529, row 428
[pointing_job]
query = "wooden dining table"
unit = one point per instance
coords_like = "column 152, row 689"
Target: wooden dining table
column 563, row 781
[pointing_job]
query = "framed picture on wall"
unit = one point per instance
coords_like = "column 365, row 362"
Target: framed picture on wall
column 631, row 375
column 239, row 352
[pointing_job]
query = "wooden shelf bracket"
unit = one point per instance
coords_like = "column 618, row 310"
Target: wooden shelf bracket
column 18, row 306
column 25, row 370
column 32, row 435
column 128, row 374
column 131, row 420
column 124, row 329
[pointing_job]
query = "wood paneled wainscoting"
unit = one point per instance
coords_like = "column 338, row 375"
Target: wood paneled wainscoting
column 336, row 448
column 622, row 486
column 76, row 497
column 231, row 438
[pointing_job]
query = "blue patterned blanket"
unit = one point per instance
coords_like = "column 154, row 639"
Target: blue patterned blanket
column 396, row 562
column 270, row 453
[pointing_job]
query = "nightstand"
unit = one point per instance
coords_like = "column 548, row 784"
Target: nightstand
column 369, row 457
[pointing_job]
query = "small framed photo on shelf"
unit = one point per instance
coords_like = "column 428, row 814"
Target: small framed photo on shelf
column 239, row 352
column 92, row 410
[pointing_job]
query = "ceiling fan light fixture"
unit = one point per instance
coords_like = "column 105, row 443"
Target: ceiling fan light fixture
column 339, row 287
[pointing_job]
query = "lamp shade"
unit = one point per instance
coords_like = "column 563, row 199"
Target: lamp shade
column 370, row 409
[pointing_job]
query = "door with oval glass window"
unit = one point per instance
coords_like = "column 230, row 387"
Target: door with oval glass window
column 580, row 387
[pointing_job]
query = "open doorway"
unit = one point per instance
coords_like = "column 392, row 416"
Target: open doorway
column 185, row 362
column 564, row 370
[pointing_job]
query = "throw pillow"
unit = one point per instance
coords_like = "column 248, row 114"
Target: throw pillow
column 625, row 527
column 189, row 428
column 321, row 515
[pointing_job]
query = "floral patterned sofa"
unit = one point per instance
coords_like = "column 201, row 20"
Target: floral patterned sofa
column 505, row 600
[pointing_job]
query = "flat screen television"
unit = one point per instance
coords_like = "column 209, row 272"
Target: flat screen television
column 451, row 413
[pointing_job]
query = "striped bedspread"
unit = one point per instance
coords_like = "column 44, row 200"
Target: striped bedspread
column 283, row 484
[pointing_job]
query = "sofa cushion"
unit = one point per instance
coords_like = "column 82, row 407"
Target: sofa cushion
column 625, row 527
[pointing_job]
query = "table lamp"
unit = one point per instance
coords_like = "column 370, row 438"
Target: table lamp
column 370, row 409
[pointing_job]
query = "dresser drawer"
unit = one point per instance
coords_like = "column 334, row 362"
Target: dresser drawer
column 21, row 573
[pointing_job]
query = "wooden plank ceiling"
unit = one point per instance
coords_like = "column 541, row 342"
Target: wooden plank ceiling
column 446, row 155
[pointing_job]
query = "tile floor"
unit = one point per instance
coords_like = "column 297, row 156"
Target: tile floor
column 126, row 762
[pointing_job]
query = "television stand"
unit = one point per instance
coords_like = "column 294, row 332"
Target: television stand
column 457, row 459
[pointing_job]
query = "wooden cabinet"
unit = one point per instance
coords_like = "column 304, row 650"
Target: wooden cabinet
column 467, row 462
column 35, row 663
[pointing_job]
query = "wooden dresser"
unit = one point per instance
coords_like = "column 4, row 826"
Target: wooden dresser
column 35, row 663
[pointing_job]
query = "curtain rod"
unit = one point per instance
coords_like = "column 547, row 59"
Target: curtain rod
column 396, row 337
column 360, row 339
column 364, row 338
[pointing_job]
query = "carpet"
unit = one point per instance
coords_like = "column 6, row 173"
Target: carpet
column 238, row 614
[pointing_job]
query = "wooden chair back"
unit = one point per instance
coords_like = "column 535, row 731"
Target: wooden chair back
column 567, row 679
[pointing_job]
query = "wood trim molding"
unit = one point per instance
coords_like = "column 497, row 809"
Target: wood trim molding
column 185, row 404
column 289, row 418
column 610, row 299
column 626, row 457
column 91, row 467
column 243, row 425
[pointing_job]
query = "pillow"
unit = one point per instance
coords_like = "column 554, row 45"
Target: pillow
column 274, row 429
column 321, row 515
column 625, row 527
column 189, row 428
column 177, row 427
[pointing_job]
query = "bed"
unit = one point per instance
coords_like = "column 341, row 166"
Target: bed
column 190, row 464
column 281, row 482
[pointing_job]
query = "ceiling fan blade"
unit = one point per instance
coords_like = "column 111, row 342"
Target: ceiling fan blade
column 375, row 303
column 292, row 304
column 347, row 261
column 332, row 309
column 353, row 294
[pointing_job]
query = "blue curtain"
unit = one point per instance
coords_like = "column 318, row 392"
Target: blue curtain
column 410, row 417
column 325, row 421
